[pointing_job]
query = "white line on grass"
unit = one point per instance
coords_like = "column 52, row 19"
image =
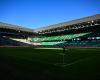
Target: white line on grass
column 48, row 48
column 69, row 64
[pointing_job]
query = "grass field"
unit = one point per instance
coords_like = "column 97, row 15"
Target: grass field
column 46, row 64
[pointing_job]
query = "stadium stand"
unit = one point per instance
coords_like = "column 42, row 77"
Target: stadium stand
column 12, row 35
column 62, row 37
column 81, row 33
column 10, row 42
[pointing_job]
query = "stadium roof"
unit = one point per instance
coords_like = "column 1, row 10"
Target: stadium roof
column 15, row 27
column 77, row 21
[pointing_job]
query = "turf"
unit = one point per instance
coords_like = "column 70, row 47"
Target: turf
column 46, row 64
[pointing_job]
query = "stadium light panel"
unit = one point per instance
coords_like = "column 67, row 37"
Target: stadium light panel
column 92, row 21
column 19, row 31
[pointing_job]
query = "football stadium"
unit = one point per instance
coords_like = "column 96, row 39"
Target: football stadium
column 64, row 51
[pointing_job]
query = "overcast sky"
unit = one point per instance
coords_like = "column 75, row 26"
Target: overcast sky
column 39, row 13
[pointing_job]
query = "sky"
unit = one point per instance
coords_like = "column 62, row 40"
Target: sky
column 40, row 13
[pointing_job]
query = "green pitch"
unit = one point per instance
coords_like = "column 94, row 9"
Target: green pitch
column 46, row 64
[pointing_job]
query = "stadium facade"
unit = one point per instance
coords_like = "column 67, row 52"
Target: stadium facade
column 84, row 32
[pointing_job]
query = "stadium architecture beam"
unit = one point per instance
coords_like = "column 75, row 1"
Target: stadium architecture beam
column 73, row 22
column 15, row 27
column 59, row 25
column 14, row 30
